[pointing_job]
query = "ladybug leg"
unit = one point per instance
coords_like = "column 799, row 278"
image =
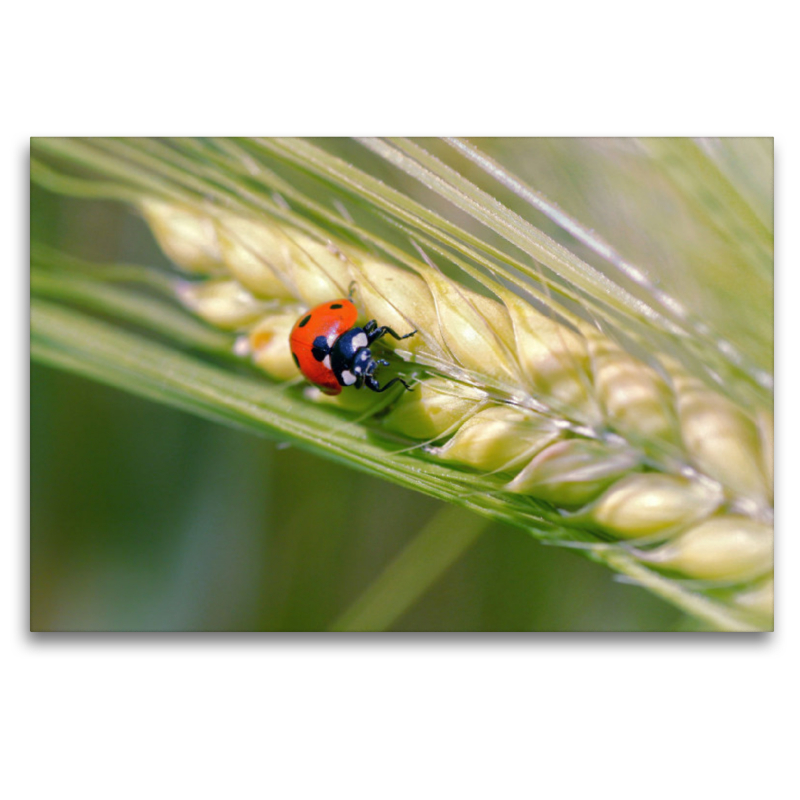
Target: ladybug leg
column 373, row 384
column 374, row 333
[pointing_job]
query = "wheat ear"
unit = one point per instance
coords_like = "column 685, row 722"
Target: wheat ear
column 643, row 454
column 546, row 393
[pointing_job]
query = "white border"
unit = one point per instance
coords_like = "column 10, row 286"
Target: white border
column 434, row 716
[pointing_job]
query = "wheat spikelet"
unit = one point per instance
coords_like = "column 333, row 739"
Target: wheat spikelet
column 644, row 453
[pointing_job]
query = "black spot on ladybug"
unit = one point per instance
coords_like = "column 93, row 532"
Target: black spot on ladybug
column 304, row 321
column 336, row 305
column 296, row 361
column 320, row 348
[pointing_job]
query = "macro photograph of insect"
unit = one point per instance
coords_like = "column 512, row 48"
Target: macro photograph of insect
column 390, row 384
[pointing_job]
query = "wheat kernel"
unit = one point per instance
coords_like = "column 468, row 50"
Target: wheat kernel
column 434, row 407
column 244, row 244
column 644, row 504
column 730, row 547
column 189, row 239
column 223, row 303
column 573, row 472
column 497, row 437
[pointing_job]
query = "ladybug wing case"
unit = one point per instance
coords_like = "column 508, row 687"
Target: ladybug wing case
column 329, row 321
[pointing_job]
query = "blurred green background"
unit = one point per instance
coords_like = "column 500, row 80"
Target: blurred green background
column 145, row 519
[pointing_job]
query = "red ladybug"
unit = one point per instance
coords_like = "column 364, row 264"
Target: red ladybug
column 331, row 352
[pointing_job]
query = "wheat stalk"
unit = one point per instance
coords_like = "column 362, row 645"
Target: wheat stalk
column 648, row 463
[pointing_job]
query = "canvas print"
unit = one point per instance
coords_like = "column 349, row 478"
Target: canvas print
column 391, row 384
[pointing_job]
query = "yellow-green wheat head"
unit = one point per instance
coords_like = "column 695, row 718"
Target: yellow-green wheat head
column 606, row 385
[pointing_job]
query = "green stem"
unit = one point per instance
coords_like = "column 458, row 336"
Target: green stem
column 424, row 560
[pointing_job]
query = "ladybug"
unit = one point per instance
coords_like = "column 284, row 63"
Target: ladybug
column 332, row 352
